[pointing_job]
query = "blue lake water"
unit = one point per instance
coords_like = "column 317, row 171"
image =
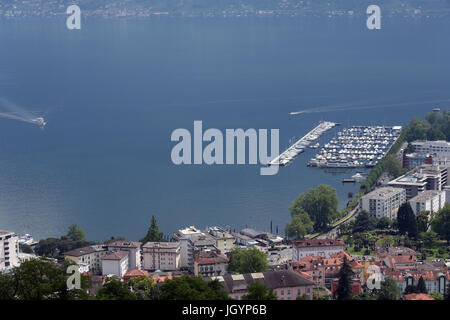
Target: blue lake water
column 113, row 92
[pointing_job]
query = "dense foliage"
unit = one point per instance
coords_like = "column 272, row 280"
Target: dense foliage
column 259, row 291
column 247, row 261
column 192, row 288
column 300, row 225
column 320, row 203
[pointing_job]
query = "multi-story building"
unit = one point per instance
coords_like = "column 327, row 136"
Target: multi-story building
column 132, row 247
column 115, row 263
column 286, row 284
column 435, row 280
column 440, row 147
column 90, row 256
column 9, row 250
column 224, row 240
column 210, row 264
column 164, row 256
column 187, row 246
column 425, row 177
column 430, row 200
column 316, row 247
column 383, row 202
column 412, row 160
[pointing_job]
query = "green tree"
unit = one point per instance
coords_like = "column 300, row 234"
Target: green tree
column 406, row 220
column 389, row 290
column 114, row 289
column 247, row 261
column 345, row 284
column 7, row 287
column 384, row 223
column 259, row 291
column 192, row 288
column 153, row 233
column 393, row 166
column 43, row 279
column 75, row 233
column 143, row 287
column 320, row 203
column 429, row 239
column 423, row 221
column 411, row 289
column 441, row 223
column 436, row 295
column 421, row 287
column 300, row 225
column 363, row 222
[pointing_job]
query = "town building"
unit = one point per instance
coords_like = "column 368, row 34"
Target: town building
column 184, row 236
column 323, row 271
column 115, row 263
column 430, row 200
column 224, row 240
column 243, row 240
column 440, row 147
column 9, row 250
column 316, row 247
column 425, row 177
column 383, row 202
column 164, row 256
column 210, row 264
column 88, row 256
column 412, row 160
column 286, row 284
column 435, row 280
column 132, row 247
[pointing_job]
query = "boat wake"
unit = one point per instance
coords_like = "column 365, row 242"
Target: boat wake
column 346, row 107
column 12, row 111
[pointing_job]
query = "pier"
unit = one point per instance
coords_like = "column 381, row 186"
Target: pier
column 357, row 147
column 299, row 146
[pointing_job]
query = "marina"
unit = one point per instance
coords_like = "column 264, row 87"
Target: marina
column 356, row 147
column 299, row 146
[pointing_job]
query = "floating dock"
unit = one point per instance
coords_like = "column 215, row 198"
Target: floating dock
column 356, row 147
column 298, row 147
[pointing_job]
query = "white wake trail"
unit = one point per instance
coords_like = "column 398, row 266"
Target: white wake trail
column 350, row 107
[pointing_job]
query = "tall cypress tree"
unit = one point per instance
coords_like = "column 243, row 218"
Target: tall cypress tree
column 153, row 233
column 406, row 220
column 447, row 293
column 421, row 287
column 345, row 284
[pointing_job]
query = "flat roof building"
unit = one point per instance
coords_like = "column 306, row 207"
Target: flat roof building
column 424, row 177
column 383, row 202
column 430, row 200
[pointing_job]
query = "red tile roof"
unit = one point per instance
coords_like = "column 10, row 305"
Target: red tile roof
column 418, row 296
column 135, row 273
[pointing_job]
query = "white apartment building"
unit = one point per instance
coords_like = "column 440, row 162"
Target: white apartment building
column 132, row 247
column 88, row 258
column 316, row 247
column 440, row 147
column 185, row 236
column 115, row 263
column 164, row 256
column 383, row 202
column 9, row 250
column 430, row 200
